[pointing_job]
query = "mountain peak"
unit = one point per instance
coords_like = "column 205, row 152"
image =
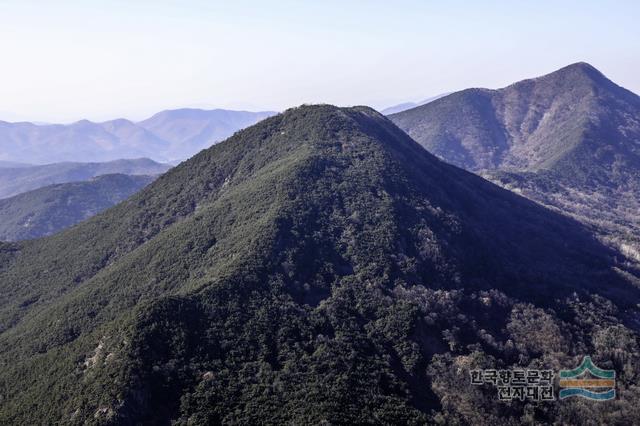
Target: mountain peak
column 580, row 65
column 319, row 111
column 537, row 124
column 322, row 240
column 83, row 123
column 575, row 71
column 318, row 126
column 118, row 122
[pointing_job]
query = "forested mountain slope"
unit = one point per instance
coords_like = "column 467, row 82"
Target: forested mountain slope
column 50, row 209
column 319, row 266
column 569, row 140
column 15, row 180
column 573, row 121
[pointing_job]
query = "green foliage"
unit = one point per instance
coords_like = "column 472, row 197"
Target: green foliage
column 567, row 140
column 319, row 267
column 50, row 209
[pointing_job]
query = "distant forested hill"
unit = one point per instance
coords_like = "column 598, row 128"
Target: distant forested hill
column 50, row 209
column 15, row 180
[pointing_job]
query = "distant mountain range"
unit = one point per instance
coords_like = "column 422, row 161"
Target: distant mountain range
column 189, row 131
column 167, row 136
column 408, row 105
column 12, row 165
column 319, row 267
column 47, row 210
column 16, row 179
column 569, row 139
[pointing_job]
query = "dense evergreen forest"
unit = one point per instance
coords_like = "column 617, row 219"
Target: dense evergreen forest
column 319, row 267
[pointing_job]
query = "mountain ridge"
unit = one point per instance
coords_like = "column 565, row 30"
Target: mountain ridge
column 16, row 180
column 516, row 127
column 319, row 266
column 569, row 140
column 47, row 210
column 86, row 140
column 408, row 105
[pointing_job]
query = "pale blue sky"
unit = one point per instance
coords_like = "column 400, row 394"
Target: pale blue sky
column 66, row 60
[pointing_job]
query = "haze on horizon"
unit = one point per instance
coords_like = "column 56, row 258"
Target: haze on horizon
column 102, row 60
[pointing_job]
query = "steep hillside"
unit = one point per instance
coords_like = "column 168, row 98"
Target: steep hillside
column 318, row 267
column 569, row 140
column 50, row 209
column 16, row 180
column 572, row 121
